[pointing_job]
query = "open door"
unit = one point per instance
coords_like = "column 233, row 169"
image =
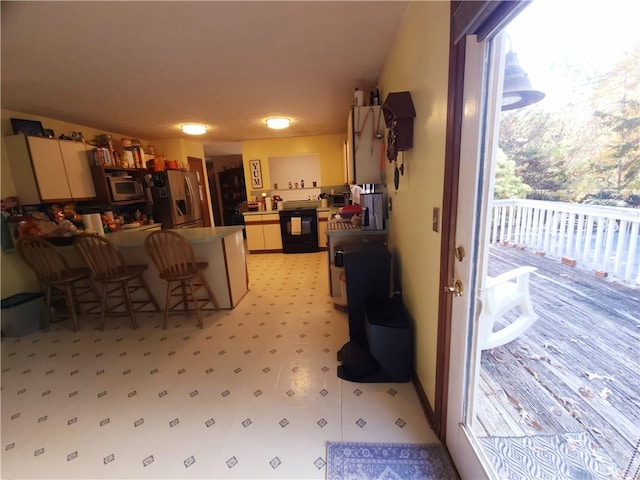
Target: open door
column 476, row 75
column 483, row 77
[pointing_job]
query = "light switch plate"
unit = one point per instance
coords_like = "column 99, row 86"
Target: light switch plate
column 436, row 219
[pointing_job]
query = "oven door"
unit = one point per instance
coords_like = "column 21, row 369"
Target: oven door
column 299, row 229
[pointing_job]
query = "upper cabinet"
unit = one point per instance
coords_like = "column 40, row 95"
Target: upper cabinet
column 47, row 170
column 365, row 145
column 76, row 165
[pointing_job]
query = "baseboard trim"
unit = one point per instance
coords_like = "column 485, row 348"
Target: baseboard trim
column 424, row 402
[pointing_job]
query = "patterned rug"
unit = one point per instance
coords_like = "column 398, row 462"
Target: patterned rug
column 388, row 461
column 575, row 456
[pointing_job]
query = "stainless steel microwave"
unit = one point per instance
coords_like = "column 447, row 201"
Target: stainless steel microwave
column 125, row 188
column 339, row 199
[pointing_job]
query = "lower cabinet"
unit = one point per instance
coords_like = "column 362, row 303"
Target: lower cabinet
column 263, row 232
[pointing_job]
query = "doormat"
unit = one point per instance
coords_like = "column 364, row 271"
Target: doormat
column 571, row 455
column 388, row 461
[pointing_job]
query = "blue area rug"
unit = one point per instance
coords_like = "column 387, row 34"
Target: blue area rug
column 388, row 461
column 575, row 456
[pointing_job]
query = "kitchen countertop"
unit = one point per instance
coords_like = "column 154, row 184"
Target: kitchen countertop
column 135, row 237
column 354, row 232
column 264, row 212
column 332, row 210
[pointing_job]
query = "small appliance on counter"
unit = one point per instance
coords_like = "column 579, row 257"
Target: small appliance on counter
column 374, row 211
column 125, row 188
column 339, row 199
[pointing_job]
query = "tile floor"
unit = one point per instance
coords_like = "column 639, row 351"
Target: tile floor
column 252, row 395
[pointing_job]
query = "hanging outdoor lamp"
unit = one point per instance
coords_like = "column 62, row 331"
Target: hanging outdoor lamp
column 517, row 90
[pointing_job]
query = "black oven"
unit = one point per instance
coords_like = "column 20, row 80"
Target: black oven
column 299, row 228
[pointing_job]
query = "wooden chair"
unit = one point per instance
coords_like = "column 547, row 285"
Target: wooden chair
column 503, row 294
column 175, row 261
column 109, row 268
column 55, row 276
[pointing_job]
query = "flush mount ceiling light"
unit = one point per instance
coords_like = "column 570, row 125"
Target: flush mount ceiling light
column 278, row 123
column 193, row 128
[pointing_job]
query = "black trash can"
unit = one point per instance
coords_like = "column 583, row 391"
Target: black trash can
column 22, row 314
column 388, row 327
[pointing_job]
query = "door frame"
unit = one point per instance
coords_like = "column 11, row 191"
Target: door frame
column 468, row 17
column 197, row 165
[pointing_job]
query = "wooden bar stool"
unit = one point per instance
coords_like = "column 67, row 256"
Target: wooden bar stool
column 118, row 279
column 56, row 277
column 175, row 261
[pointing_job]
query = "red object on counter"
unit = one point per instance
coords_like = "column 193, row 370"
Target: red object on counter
column 354, row 209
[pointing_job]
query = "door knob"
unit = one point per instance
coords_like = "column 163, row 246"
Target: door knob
column 456, row 289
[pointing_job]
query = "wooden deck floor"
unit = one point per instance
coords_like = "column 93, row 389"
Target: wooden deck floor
column 577, row 368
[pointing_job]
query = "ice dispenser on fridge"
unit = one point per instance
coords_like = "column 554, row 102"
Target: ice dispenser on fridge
column 372, row 203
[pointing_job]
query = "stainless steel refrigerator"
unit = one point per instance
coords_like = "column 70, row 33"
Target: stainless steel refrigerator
column 176, row 199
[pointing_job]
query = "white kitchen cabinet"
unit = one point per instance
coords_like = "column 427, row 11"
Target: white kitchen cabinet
column 255, row 232
column 48, row 170
column 76, row 165
column 365, row 151
column 272, row 233
column 263, row 232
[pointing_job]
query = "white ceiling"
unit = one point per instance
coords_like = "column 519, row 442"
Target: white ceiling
column 143, row 68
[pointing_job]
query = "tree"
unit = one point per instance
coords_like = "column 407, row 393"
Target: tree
column 617, row 113
column 507, row 183
column 534, row 139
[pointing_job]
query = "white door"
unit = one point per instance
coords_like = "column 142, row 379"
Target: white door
column 481, row 114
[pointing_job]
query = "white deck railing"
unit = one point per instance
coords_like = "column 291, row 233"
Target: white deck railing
column 603, row 239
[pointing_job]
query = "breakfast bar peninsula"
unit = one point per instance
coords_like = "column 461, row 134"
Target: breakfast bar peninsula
column 222, row 247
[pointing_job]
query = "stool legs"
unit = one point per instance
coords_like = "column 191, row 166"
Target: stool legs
column 126, row 289
column 212, row 298
column 68, row 292
column 72, row 306
column 127, row 298
column 153, row 300
column 185, row 293
column 167, row 305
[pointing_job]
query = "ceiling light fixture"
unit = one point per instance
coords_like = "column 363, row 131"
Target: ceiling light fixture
column 193, row 128
column 278, row 123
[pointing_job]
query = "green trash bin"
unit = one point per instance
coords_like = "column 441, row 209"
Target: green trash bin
column 22, row 314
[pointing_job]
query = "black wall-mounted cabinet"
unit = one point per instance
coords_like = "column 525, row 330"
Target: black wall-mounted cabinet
column 398, row 108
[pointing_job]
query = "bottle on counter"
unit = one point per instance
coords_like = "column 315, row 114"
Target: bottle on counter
column 358, row 97
column 374, row 96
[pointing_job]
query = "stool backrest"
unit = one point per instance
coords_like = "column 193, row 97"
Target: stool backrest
column 101, row 256
column 171, row 253
column 43, row 258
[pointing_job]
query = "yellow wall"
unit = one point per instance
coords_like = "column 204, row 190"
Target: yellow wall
column 330, row 148
column 418, row 63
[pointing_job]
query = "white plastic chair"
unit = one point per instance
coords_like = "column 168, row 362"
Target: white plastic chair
column 501, row 295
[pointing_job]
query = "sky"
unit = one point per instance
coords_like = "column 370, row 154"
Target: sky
column 592, row 33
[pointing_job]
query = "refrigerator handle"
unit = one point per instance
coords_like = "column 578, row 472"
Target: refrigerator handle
column 189, row 196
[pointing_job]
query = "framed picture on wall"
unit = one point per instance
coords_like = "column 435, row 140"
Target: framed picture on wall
column 256, row 173
column 28, row 127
